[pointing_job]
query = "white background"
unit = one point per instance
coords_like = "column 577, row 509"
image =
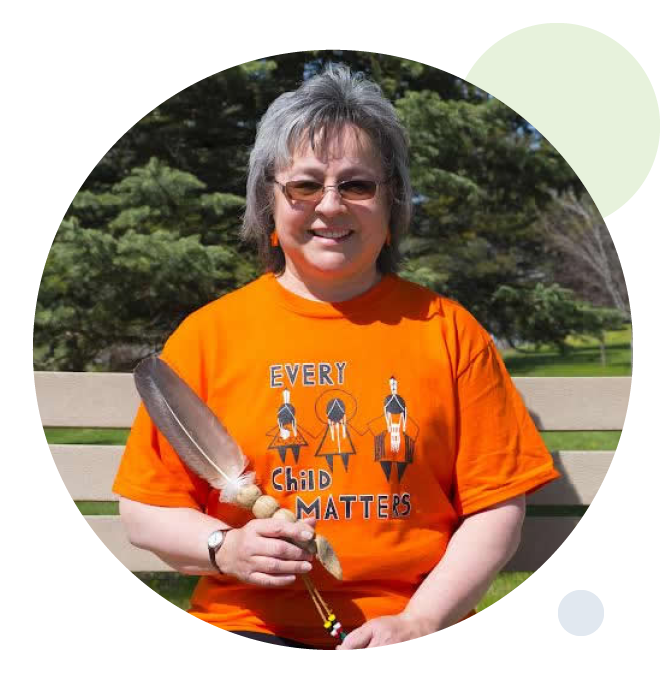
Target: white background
column 76, row 76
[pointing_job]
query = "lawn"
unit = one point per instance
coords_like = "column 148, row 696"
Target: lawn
column 503, row 584
column 583, row 359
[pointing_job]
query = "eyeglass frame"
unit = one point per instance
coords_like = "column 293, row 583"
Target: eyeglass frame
column 329, row 187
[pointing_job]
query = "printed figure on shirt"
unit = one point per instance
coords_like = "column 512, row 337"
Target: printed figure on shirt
column 394, row 434
column 336, row 408
column 287, row 435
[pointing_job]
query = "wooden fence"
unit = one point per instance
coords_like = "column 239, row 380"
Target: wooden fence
column 108, row 400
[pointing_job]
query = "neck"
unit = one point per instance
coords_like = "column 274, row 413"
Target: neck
column 330, row 290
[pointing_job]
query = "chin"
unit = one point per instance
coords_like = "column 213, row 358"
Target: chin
column 333, row 268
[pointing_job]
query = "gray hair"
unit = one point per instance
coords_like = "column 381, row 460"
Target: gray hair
column 319, row 108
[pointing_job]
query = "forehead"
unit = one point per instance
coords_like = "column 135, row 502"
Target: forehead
column 344, row 148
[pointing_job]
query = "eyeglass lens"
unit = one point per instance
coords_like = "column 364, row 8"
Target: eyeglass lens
column 351, row 189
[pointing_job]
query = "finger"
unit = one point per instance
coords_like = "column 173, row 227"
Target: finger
column 306, row 529
column 375, row 641
column 298, row 531
column 281, row 549
column 280, row 567
column 357, row 639
column 258, row 578
column 307, row 550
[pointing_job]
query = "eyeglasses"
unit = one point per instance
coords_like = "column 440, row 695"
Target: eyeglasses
column 312, row 191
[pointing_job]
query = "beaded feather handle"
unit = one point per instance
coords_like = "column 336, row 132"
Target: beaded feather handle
column 203, row 443
column 330, row 622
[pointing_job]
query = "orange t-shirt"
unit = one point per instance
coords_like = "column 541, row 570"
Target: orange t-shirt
column 388, row 417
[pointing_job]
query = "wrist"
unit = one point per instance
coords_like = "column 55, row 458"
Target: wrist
column 423, row 623
column 220, row 555
column 216, row 543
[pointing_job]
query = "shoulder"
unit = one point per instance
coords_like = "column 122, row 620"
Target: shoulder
column 448, row 311
column 462, row 335
column 229, row 306
column 223, row 311
column 212, row 324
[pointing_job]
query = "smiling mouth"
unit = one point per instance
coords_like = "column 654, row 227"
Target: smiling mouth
column 332, row 235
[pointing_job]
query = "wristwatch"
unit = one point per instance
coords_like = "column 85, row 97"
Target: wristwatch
column 214, row 542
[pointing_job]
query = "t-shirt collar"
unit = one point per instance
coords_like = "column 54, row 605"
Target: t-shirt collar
column 358, row 305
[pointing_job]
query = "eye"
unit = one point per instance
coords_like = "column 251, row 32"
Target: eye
column 358, row 188
column 304, row 187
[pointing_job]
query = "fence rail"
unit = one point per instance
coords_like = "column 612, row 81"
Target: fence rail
column 109, row 400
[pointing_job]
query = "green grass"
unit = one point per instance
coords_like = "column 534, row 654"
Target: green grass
column 503, row 584
column 86, row 436
column 98, row 507
column 174, row 587
column 582, row 440
column 583, row 360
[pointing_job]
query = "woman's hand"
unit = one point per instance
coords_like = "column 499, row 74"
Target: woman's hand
column 390, row 629
column 259, row 552
column 479, row 548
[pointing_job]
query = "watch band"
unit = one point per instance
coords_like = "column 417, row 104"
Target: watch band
column 215, row 541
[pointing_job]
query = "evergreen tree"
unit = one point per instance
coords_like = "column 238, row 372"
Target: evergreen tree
column 158, row 247
column 481, row 178
column 152, row 235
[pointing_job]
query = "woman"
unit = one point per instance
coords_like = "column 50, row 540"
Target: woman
column 328, row 200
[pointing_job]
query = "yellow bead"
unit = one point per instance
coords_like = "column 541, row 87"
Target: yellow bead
column 332, row 618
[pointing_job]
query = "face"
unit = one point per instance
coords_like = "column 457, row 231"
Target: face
column 335, row 240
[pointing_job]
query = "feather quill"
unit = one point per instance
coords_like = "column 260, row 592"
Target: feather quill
column 191, row 428
column 204, row 445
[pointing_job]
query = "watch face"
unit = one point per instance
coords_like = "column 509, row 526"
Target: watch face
column 215, row 539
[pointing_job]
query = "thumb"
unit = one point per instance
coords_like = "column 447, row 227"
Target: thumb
column 357, row 639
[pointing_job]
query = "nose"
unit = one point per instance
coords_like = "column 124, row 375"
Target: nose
column 331, row 203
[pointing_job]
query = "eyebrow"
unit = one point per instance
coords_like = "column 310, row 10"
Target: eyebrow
column 346, row 174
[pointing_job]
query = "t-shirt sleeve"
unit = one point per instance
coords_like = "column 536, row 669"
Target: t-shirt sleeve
column 150, row 471
column 500, row 453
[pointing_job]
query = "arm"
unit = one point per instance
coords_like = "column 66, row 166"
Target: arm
column 175, row 535
column 255, row 553
column 480, row 547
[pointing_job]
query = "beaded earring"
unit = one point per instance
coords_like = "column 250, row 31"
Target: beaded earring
column 388, row 239
column 274, row 240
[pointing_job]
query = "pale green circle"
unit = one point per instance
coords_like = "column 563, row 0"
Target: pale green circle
column 587, row 95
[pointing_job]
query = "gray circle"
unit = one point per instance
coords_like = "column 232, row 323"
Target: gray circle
column 581, row 613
